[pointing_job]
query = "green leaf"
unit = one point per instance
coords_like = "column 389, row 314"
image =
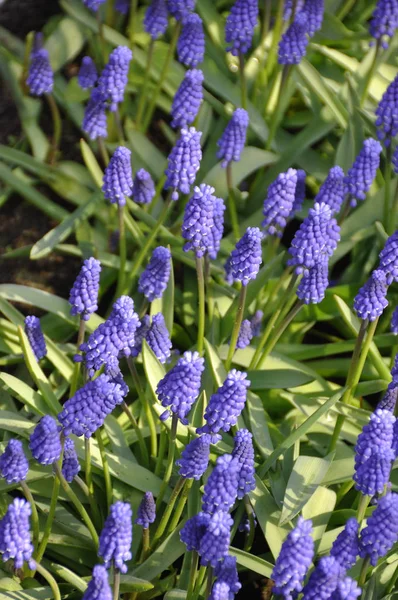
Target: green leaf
column 91, row 163
column 128, row 583
column 277, row 378
column 319, row 509
column 13, row 422
column 65, row 42
column 165, row 304
column 163, row 557
column 24, row 393
column 176, row 595
column 252, row 562
column 259, row 425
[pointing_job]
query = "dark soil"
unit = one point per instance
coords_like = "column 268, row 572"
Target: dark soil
column 22, row 16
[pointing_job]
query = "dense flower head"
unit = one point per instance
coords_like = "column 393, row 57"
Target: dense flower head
column 345, row 548
column 112, row 370
column 232, row 141
column 146, row 513
column 387, row 113
column 299, row 195
column 193, row 530
column 180, row 9
column 143, row 189
column 191, row 43
column 140, row 335
column 389, row 399
column 87, row 76
column 381, row 531
column 394, row 321
column 70, row 462
column 156, row 18
column 246, row 258
column 116, row 536
column 44, row 441
column 195, row 458
column 83, row 296
column 384, row 21
column 94, row 121
column 187, row 99
column 245, row 334
column 371, row 299
column 118, row 177
column 395, row 160
column 218, row 229
column 93, row 4
column 14, row 534
column 256, row 322
column 323, row 580
column 221, row 488
column 347, row 589
column 294, row 560
column 158, row 338
column 288, row 8
column 313, row 10
column 184, row 162
column 40, row 78
column 240, row 24
column 35, row 336
column 332, row 191
column 14, row 465
column 243, row 452
column 154, row 279
column 395, row 440
column 362, row 173
column 86, row 411
column 122, row 6
column 314, row 283
column 114, row 337
column 200, row 218
column 226, row 572
column 98, row 587
column 214, row 543
column 279, row 202
column 113, row 79
column 180, row 387
column 220, row 591
column 226, row 404
column 389, row 258
column 294, row 42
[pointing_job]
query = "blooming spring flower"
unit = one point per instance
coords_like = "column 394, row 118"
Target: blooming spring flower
column 143, row 190
column 94, row 121
column 387, row 113
column 345, row 548
column 35, row 336
column 154, row 279
column 288, row 8
column 14, row 465
column 299, row 195
column 156, row 18
column 44, row 442
column 389, row 399
column 140, row 335
column 246, row 258
column 87, row 76
column 381, row 531
column 347, row 589
column 112, row 370
column 191, row 43
column 113, row 79
column 362, row 173
column 98, row 587
column 70, row 462
column 314, row 283
column 184, row 162
column 389, row 258
column 93, row 4
column 294, row 560
column 394, row 321
column 384, row 21
column 220, row 591
column 158, row 338
column 200, row 218
column 279, row 202
column 395, row 160
column 232, row 141
column 187, row 99
column 294, row 42
column 313, row 10
column 180, row 387
column 371, row 299
column 217, row 231
column 221, row 488
column 256, row 322
column 245, row 334
column 243, row 452
column 195, row 458
column 226, row 572
column 332, row 191
column 117, row 536
column 118, row 177
column 215, row 541
column 146, row 513
column 83, row 296
column 193, row 530
column 122, row 6
column 14, row 534
column 240, row 24
column 40, row 78
column 180, row 9
column 323, row 580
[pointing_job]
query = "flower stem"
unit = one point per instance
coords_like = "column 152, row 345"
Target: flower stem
column 116, row 583
column 141, row 103
column 140, row 439
column 105, row 467
column 209, row 581
column 162, row 450
column 237, row 324
column 233, row 215
column 363, row 505
column 122, row 250
column 345, row 9
column 276, row 34
column 50, row 580
column 103, row 151
column 243, row 87
column 364, row 568
column 180, row 506
column 145, row 403
column 35, row 516
column 76, row 369
column 49, row 521
column 193, row 573
column 278, row 112
column 101, row 37
column 202, row 304
column 133, row 15
column 266, row 19
column 199, row 581
column 369, row 75
column 250, row 515
column 57, row 129
column 279, row 330
column 146, row 542
column 170, row 460
column 167, row 512
column 87, row 469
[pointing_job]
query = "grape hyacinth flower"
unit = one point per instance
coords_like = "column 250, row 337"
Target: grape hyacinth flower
column 140, row 335
column 93, row 4
column 389, row 399
column 184, row 162
column 15, row 535
column 245, row 334
column 314, row 283
column 158, row 338
column 240, row 24
column 199, row 221
column 117, row 536
column 83, row 296
column 371, row 300
column 226, row 404
column 156, row 18
column 233, row 139
column 87, row 76
column 44, row 441
column 389, row 258
column 220, row 591
column 143, row 190
column 218, row 229
column 118, row 177
column 35, row 336
column 113, row 79
column 146, row 513
column 94, row 121
column 154, row 279
column 323, row 580
column 299, row 195
column 112, row 370
column 98, row 587
column 384, row 21
column 394, row 322
column 347, row 589
column 226, row 572
column 180, row 9
column 122, row 6
column 214, row 543
column 70, row 462
column 246, row 258
column 187, row 99
column 195, row 458
column 14, row 465
column 294, row 560
column 381, row 531
column 40, row 78
column 180, row 387
column 221, row 488
column 243, row 453
column 332, row 190
column 387, row 113
column 256, row 322
column 395, row 160
column 193, row 530
column 191, row 43
column 288, row 8
column 313, row 10
column 345, row 548
column 362, row 173
column 294, row 42
column 278, row 204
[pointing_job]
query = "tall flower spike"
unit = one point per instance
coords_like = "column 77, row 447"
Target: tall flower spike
column 35, row 336
column 278, row 204
column 314, row 283
column 220, row 591
column 87, row 76
column 83, row 296
column 86, row 411
column 371, row 300
column 94, row 121
column 245, row 334
column 395, row 160
column 384, row 21
column 143, row 187
column 98, row 587
column 394, row 321
column 44, row 442
column 232, row 141
column 14, row 465
column 288, row 7
column 215, row 541
column 140, row 335
column 387, row 113
column 156, row 18
column 195, row 458
column 313, row 10
column 218, row 229
column 70, row 462
column 154, row 279
column 226, row 572
column 158, row 338
column 323, row 580
column 180, row 9
column 118, row 177
column 246, row 258
column 146, row 513
column 15, row 535
column 362, row 173
column 389, row 258
column 240, row 24
column 199, row 221
column 293, row 561
column 191, row 43
column 345, row 548
column 188, row 99
column 112, row 370
column 256, row 322
column 389, row 399
column 332, row 191
column 226, row 404
column 117, row 536
column 294, row 42
column 299, row 195
column 381, row 531
column 113, row 79
column 221, row 488
column 122, row 6
column 180, row 387
column 347, row 589
column 93, row 4
column 40, row 79
column 184, row 162
column 193, row 531
column 243, row 452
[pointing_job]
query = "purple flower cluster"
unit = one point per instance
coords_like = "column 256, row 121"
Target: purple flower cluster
column 83, row 296
column 158, row 338
column 345, row 548
column 116, row 537
column 98, row 587
column 294, row 41
column 188, row 99
column 387, row 113
column 184, row 162
column 389, row 258
column 362, row 173
column 44, row 442
column 221, row 488
column 203, row 223
column 87, row 76
column 140, row 335
column 384, row 21
column 313, row 10
column 299, row 195
column 40, row 79
column 381, row 531
column 15, row 536
column 156, row 18
column 279, row 202
column 332, row 190
column 371, row 299
column 389, row 399
column 35, row 336
column 94, row 121
column 243, row 453
column 118, row 177
column 146, row 513
column 122, row 6
column 240, row 24
column 154, row 279
column 233, row 139
column 191, row 43
column 93, row 4
column 323, row 580
column 143, row 190
column 14, row 465
column 195, row 458
column 70, row 462
column 394, row 321
column 113, row 79
column 245, row 334
column 314, row 282
column 209, row 535
column 180, row 9
column 288, row 8
column 246, row 258
column 227, row 575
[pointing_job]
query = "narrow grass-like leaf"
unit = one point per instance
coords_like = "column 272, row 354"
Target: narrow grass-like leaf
column 20, row 390
column 319, row 509
column 163, row 557
column 252, row 562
